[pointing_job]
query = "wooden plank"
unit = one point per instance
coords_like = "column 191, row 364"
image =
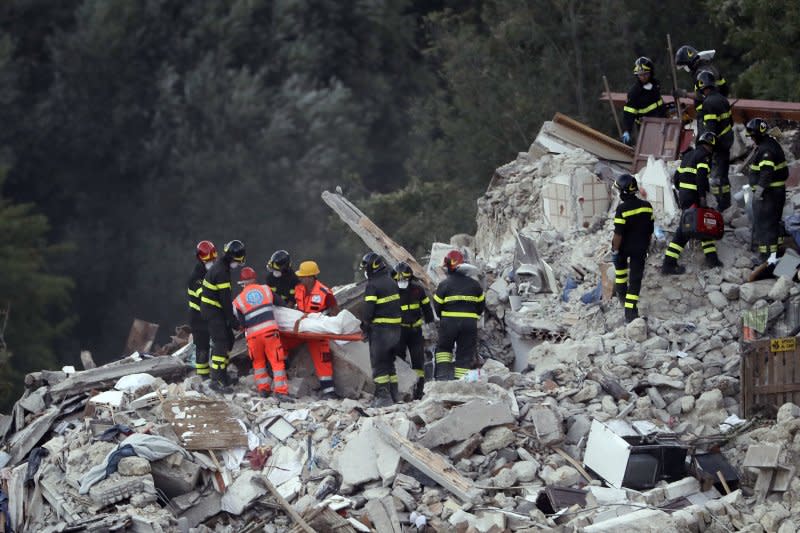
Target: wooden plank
column 776, row 389
column 22, row 442
column 431, row 464
column 204, row 424
column 265, row 482
column 771, row 381
column 745, row 377
column 141, row 336
column 374, row 237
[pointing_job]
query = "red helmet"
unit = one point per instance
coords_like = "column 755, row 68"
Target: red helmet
column 247, row 274
column 206, row 251
column 452, row 260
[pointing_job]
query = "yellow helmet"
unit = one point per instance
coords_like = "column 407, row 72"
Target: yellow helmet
column 307, row 268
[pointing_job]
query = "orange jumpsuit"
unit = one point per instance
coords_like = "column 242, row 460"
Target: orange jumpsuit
column 254, row 310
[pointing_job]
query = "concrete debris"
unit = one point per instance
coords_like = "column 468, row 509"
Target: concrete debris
column 687, row 420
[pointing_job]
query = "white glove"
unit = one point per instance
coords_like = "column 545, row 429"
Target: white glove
column 772, row 259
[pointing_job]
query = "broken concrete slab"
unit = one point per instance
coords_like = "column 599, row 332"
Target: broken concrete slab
column 762, row 456
column 174, row 478
column 466, row 420
column 366, row 457
column 548, row 424
column 242, row 492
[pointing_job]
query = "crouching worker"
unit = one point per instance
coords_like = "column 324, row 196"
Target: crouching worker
column 254, row 309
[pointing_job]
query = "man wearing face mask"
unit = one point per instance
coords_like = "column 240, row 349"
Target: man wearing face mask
column 216, row 304
column 416, row 308
column 644, row 98
column 206, row 253
column 281, row 279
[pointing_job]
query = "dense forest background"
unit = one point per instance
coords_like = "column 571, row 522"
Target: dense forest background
column 131, row 129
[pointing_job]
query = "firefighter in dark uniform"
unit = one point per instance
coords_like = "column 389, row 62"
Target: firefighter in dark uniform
column 416, row 309
column 206, row 253
column 768, row 175
column 633, row 228
column 689, row 59
column 459, row 301
column 217, row 307
column 691, row 180
column 281, row 278
column 381, row 325
column 715, row 116
column 644, row 98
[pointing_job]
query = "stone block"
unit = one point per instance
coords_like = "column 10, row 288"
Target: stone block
column 466, row 420
column 547, row 423
column 496, row 438
column 175, row 479
column 133, row 466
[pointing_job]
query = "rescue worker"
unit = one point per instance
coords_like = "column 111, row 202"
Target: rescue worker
column 694, row 62
column 311, row 296
column 380, row 322
column 715, row 116
column 768, row 175
column 633, row 229
column 691, row 180
column 206, row 253
column 644, row 98
column 254, row 309
column 281, row 278
column 216, row 305
column 416, row 309
column 459, row 301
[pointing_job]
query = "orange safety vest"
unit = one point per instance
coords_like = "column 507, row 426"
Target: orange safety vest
column 255, row 310
column 312, row 301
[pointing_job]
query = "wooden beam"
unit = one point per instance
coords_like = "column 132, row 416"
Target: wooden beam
column 374, row 237
column 22, row 442
column 431, row 464
column 262, row 480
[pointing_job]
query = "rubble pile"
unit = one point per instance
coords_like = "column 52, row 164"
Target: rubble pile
column 575, row 421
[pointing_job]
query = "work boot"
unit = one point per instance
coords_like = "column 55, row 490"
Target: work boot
column 419, row 388
column 713, row 261
column 264, row 393
column 282, row 397
column 445, row 372
column 394, row 391
column 631, row 314
column 672, row 268
column 219, row 386
column 383, row 396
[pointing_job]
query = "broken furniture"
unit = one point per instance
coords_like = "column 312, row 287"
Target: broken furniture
column 772, row 476
column 768, row 371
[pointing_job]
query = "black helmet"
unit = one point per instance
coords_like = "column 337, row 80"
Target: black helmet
column 686, row 56
column 280, row 260
column 642, row 65
column 372, row 263
column 707, row 138
column 234, row 251
column 402, row 271
column 756, row 127
column 626, row 184
column 705, row 80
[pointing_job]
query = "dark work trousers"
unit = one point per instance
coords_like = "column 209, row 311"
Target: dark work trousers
column 202, row 343
column 720, row 161
column 767, row 214
column 383, row 339
column 221, row 344
column 411, row 339
column 679, row 241
column 629, row 271
column 463, row 333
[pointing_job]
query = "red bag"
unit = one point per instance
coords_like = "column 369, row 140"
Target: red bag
column 702, row 223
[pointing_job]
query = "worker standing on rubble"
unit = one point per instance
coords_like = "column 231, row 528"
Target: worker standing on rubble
column 633, row 229
column 281, row 279
column 206, row 253
column 311, row 296
column 254, row 309
column 416, row 309
column 691, row 180
column 644, row 98
column 380, row 322
column 216, row 305
column 459, row 301
column 768, row 175
column 715, row 116
column 694, row 62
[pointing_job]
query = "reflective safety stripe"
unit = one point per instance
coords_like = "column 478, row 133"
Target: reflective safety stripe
column 638, row 211
column 438, row 299
column 269, row 324
column 443, row 357
column 218, row 286
column 460, row 372
column 209, row 301
column 259, row 311
column 621, row 271
column 385, row 299
column 676, row 246
column 383, row 320
column 416, row 324
column 381, row 380
column 684, row 170
column 393, row 378
column 630, row 305
column 463, row 298
column 194, row 293
column 203, row 371
column 630, row 296
column 725, row 130
column 426, row 301
column 278, row 373
column 690, row 186
column 619, row 220
column 409, row 307
column 777, row 184
column 420, row 372
column 201, row 365
column 703, row 165
column 644, row 110
column 457, row 314
column 713, row 116
column 194, row 306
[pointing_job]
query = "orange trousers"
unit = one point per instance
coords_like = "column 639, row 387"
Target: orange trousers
column 320, row 353
column 267, row 348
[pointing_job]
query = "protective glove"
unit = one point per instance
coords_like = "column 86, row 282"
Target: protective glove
column 614, row 256
column 772, row 259
column 626, row 138
column 758, row 193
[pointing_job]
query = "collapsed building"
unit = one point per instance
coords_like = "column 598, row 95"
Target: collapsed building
column 687, row 420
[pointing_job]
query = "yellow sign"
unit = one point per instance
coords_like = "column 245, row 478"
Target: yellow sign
column 784, row 344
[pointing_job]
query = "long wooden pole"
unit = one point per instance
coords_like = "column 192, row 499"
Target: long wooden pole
column 674, row 79
column 613, row 109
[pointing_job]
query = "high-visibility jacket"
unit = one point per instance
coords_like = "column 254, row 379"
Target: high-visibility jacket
column 634, row 221
column 215, row 300
column 254, row 309
column 283, row 286
column 194, row 288
column 459, row 296
column 415, row 305
column 643, row 102
column 691, row 177
column 318, row 299
column 714, row 115
column 768, row 168
column 381, row 301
